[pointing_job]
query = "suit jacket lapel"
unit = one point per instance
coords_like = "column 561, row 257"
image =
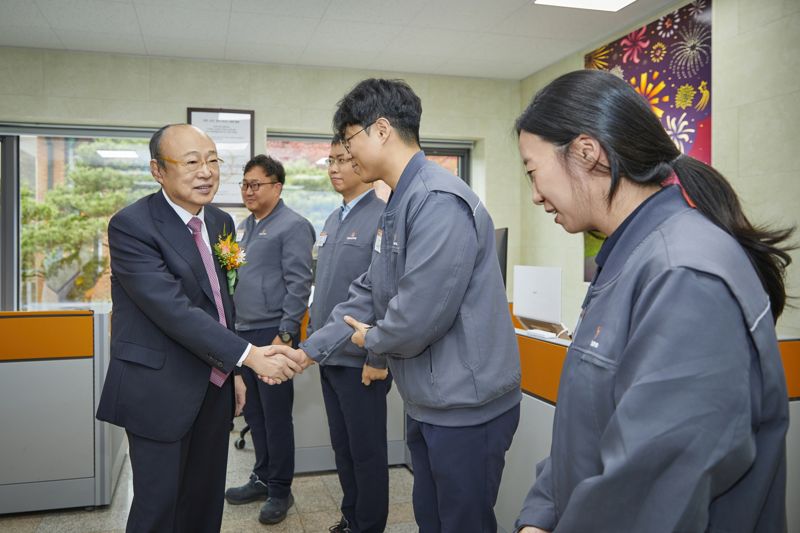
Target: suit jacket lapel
column 215, row 230
column 179, row 236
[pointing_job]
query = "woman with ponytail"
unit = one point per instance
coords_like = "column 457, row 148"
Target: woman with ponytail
column 672, row 407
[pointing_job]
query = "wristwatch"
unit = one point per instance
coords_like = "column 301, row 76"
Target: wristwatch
column 285, row 337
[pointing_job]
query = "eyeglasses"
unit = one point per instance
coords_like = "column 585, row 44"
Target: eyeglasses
column 338, row 161
column 193, row 165
column 255, row 185
column 346, row 141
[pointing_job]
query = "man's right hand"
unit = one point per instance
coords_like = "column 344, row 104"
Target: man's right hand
column 276, row 368
column 298, row 356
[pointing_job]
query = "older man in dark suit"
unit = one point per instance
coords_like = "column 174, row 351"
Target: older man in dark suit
column 169, row 383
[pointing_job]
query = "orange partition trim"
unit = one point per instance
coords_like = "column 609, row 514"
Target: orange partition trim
column 790, row 353
column 46, row 335
column 541, row 363
column 514, row 320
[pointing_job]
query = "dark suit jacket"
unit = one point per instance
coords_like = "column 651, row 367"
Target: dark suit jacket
column 165, row 332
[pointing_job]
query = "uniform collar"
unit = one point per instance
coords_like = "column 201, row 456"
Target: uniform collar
column 347, row 207
column 271, row 214
column 414, row 165
column 637, row 226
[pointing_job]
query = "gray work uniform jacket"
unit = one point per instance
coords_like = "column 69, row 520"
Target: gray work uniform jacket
column 275, row 283
column 435, row 295
column 344, row 251
column 672, row 407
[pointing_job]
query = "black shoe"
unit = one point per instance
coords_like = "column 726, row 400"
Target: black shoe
column 249, row 492
column 341, row 527
column 275, row 509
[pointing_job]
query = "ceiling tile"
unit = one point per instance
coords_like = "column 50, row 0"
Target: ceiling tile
column 32, row 37
column 169, row 22
column 101, row 42
column 363, row 39
column 272, row 29
column 428, row 41
column 485, row 38
column 553, row 22
column 214, row 5
column 295, row 8
column 21, row 13
column 88, row 15
column 465, row 16
column 375, row 11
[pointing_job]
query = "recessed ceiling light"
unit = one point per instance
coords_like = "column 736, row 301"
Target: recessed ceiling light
column 117, row 154
column 597, row 5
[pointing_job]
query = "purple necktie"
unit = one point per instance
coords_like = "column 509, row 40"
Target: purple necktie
column 218, row 377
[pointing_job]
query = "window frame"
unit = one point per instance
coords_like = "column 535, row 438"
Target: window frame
column 10, row 229
column 451, row 147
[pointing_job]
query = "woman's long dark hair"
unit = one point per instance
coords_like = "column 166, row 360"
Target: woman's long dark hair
column 607, row 108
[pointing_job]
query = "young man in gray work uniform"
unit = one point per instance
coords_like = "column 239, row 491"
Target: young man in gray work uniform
column 354, row 392
column 271, row 299
column 433, row 304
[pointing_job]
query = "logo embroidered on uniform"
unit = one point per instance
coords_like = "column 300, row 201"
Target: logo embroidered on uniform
column 262, row 233
column 594, row 343
column 352, row 237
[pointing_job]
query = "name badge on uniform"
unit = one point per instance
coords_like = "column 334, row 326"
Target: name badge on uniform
column 378, row 238
column 322, row 238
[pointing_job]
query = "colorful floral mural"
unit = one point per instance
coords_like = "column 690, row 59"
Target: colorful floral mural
column 668, row 62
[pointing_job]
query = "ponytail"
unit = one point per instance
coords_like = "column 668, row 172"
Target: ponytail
column 715, row 198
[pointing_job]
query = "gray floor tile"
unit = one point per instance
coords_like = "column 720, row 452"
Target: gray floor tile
column 317, row 499
column 319, row 521
column 20, row 523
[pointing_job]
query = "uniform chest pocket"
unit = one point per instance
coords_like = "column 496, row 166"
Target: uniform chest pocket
column 265, row 239
column 591, row 385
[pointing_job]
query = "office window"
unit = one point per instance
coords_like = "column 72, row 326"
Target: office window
column 69, row 188
column 307, row 189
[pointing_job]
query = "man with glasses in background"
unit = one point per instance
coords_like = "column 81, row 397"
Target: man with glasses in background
column 172, row 345
column 354, row 386
column 271, row 298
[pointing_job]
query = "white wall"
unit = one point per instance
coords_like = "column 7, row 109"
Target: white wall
column 755, row 107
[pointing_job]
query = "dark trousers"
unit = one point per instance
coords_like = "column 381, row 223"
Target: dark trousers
column 357, row 423
column 457, row 473
column 180, row 486
column 268, row 412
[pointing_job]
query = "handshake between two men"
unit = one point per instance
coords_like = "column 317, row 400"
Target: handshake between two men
column 278, row 363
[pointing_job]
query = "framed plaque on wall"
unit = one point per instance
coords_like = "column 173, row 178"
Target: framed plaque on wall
column 233, row 132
